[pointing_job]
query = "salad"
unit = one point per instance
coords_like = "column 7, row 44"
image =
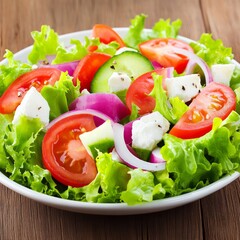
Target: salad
column 111, row 119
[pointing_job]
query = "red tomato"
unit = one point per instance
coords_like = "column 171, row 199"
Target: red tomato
column 106, row 34
column 215, row 100
column 138, row 92
column 160, row 50
column 63, row 153
column 37, row 78
column 87, row 68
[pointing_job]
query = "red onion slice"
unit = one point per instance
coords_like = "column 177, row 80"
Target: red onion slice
column 69, row 66
column 76, row 112
column 127, row 156
column 156, row 156
column 170, row 71
column 156, row 65
column 193, row 58
column 107, row 103
column 128, row 132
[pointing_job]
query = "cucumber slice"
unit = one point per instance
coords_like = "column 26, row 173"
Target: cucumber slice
column 99, row 139
column 144, row 154
column 132, row 63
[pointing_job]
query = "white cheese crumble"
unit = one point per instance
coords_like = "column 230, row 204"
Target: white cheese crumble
column 118, row 82
column 33, row 105
column 222, row 73
column 184, row 87
column 148, row 131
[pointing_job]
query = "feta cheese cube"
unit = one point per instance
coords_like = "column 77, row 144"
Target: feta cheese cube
column 118, row 82
column 148, row 131
column 33, row 105
column 222, row 73
column 185, row 87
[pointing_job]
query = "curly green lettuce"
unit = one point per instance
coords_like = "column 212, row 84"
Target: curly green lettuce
column 172, row 109
column 163, row 28
column 212, row 51
column 47, row 44
column 61, row 95
column 11, row 71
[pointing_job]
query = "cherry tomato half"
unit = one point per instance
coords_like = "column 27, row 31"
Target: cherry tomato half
column 87, row 68
column 37, row 78
column 139, row 90
column 161, row 51
column 106, row 34
column 215, row 100
column 64, row 154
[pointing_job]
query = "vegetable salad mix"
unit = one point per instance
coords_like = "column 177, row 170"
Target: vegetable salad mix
column 114, row 119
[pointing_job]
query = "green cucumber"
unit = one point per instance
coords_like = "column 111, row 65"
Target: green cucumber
column 99, row 139
column 132, row 63
column 143, row 154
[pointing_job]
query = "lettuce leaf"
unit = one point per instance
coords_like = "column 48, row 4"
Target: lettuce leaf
column 11, row 71
column 60, row 95
column 4, row 125
column 109, row 49
column 111, row 180
column 237, row 92
column 163, row 28
column 235, row 79
column 21, row 156
column 172, row 109
column 212, row 51
column 45, row 43
column 139, row 188
column 198, row 162
column 76, row 52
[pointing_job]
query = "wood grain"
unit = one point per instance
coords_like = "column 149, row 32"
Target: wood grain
column 222, row 18
column 214, row 217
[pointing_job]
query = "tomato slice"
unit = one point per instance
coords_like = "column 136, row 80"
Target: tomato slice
column 64, row 154
column 37, row 78
column 87, row 68
column 106, row 34
column 161, row 51
column 139, row 90
column 215, row 100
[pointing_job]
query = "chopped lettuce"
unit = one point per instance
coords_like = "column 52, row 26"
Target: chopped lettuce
column 198, row 162
column 47, row 45
column 139, row 188
column 76, row 52
column 172, row 109
column 235, row 80
column 11, row 71
column 111, row 180
column 109, row 49
column 60, row 95
column 21, row 156
column 163, row 28
column 237, row 92
column 211, row 51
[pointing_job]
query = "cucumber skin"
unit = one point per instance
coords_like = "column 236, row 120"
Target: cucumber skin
column 102, row 146
column 143, row 154
column 132, row 63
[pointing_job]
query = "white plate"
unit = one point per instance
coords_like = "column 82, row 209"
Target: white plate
column 110, row 208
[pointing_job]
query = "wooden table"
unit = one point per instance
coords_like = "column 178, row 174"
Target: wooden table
column 214, row 217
